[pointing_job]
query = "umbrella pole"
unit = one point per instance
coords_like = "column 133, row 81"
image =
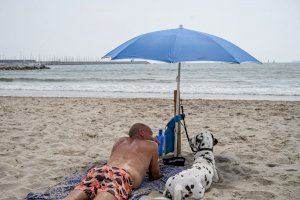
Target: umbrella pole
column 177, row 142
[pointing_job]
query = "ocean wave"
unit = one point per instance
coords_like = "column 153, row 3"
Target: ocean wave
column 197, row 80
column 253, row 93
column 82, row 80
column 33, row 80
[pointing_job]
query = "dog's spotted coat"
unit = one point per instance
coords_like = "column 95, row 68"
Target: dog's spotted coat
column 193, row 182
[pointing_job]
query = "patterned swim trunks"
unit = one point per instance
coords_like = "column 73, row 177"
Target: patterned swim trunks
column 106, row 178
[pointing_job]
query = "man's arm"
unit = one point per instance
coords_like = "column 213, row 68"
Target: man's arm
column 154, row 171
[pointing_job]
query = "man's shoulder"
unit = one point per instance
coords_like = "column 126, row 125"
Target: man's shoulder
column 123, row 138
column 150, row 143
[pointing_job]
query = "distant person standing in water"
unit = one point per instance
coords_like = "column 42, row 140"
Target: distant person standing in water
column 130, row 159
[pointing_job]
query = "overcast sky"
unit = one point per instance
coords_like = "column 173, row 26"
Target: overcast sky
column 267, row 29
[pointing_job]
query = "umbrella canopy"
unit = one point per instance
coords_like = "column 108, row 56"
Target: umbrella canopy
column 178, row 45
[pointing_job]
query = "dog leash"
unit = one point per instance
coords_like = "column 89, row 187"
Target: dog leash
column 186, row 133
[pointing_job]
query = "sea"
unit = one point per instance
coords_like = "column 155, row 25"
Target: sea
column 269, row 81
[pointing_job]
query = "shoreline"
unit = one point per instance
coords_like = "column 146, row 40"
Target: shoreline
column 116, row 95
column 150, row 99
column 50, row 137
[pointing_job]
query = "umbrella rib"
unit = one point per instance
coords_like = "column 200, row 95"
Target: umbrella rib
column 136, row 39
column 222, row 48
column 173, row 49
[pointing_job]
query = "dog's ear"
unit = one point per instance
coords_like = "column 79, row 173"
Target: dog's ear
column 199, row 139
column 215, row 141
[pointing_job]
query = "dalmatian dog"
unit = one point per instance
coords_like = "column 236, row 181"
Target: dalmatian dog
column 193, row 182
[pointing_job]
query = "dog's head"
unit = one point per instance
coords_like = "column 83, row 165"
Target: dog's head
column 203, row 140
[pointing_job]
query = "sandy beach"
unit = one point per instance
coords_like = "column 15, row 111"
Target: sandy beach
column 44, row 140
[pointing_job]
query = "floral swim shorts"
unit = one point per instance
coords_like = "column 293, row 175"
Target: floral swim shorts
column 106, row 178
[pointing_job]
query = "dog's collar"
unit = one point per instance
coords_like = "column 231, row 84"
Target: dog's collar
column 206, row 149
column 207, row 159
column 202, row 149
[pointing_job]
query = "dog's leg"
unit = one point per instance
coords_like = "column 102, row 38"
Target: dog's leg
column 177, row 192
column 161, row 198
column 215, row 178
column 198, row 191
column 167, row 193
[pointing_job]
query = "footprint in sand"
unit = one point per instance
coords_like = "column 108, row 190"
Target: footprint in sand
column 258, row 195
column 251, row 163
column 264, row 181
column 232, row 170
column 272, row 165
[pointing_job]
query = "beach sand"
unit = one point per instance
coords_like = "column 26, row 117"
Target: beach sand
column 45, row 139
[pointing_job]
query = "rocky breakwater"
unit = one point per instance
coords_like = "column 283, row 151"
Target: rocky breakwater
column 22, row 66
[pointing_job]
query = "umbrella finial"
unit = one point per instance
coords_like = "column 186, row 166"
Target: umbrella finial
column 180, row 26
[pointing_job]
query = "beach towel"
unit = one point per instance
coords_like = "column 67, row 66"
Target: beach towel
column 62, row 189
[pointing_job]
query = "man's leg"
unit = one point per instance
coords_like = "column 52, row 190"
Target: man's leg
column 105, row 196
column 77, row 195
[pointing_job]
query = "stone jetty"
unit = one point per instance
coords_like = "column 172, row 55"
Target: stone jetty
column 31, row 66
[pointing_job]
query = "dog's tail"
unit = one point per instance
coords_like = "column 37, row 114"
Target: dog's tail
column 178, row 192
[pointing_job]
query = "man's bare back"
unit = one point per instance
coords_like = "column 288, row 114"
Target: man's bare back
column 135, row 154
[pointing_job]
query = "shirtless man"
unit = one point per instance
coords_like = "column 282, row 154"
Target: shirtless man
column 130, row 159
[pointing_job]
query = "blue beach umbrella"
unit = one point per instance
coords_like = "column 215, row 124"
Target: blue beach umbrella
column 180, row 45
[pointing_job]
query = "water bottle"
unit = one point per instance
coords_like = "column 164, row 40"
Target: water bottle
column 160, row 137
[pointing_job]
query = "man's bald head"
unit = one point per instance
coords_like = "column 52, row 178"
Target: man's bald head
column 137, row 127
